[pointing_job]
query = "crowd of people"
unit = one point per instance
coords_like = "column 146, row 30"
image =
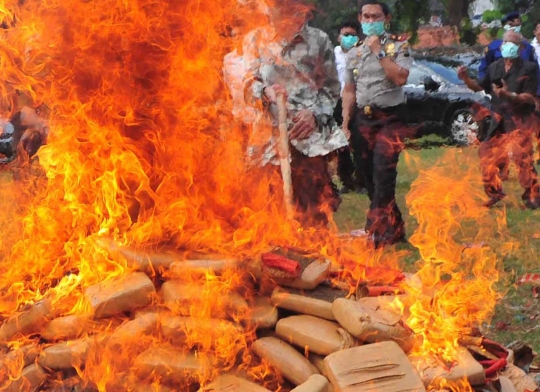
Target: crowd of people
column 349, row 101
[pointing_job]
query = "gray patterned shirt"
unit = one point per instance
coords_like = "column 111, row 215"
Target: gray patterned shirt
column 372, row 85
column 306, row 68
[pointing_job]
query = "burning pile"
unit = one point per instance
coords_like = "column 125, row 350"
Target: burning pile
column 220, row 324
column 144, row 154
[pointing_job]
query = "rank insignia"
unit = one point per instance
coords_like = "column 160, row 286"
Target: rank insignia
column 356, row 73
column 390, row 49
column 368, row 111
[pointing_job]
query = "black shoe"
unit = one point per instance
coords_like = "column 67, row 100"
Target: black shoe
column 494, row 200
column 385, row 240
column 361, row 190
column 345, row 189
column 532, row 204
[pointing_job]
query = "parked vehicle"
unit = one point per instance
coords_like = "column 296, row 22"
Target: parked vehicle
column 439, row 103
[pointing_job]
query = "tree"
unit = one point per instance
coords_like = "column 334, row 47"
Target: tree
column 457, row 10
column 330, row 14
column 506, row 6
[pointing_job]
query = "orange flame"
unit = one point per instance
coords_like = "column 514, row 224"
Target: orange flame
column 454, row 289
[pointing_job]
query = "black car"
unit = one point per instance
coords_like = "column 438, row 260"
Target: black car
column 440, row 103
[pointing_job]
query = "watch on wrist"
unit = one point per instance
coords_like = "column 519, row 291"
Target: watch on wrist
column 513, row 95
column 381, row 55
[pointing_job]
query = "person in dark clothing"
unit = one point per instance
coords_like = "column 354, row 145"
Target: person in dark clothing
column 377, row 70
column 513, row 83
column 511, row 22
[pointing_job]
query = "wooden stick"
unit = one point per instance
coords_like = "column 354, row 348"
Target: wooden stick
column 283, row 149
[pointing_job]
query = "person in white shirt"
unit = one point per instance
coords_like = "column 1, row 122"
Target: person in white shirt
column 348, row 39
column 536, row 42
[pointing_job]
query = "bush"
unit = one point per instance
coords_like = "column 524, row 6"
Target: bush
column 467, row 33
column 491, row 15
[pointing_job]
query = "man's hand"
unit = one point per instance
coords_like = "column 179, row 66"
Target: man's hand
column 501, row 91
column 304, row 125
column 463, row 73
column 346, row 131
column 374, row 44
column 273, row 92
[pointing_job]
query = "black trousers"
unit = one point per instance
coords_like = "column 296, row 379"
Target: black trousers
column 513, row 135
column 377, row 138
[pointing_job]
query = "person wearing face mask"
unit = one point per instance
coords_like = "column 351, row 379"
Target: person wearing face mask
column 377, row 70
column 348, row 39
column 511, row 22
column 513, row 83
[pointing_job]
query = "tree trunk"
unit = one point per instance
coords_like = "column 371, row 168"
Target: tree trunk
column 457, row 10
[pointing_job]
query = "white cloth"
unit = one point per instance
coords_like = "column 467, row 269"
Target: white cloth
column 536, row 45
column 341, row 65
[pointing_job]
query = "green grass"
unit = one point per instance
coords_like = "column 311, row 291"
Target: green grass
column 517, row 316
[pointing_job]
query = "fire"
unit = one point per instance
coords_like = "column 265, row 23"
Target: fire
column 144, row 151
column 454, row 289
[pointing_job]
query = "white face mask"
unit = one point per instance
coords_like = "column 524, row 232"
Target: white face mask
column 517, row 29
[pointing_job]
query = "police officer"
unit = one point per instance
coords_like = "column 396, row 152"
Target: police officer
column 511, row 21
column 377, row 69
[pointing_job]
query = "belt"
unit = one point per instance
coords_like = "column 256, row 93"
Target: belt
column 369, row 111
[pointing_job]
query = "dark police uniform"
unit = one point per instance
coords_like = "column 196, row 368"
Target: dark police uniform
column 512, row 128
column 377, row 132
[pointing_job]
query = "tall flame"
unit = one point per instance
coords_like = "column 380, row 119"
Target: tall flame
column 143, row 149
column 455, row 287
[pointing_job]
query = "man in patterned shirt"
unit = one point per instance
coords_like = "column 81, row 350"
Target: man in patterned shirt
column 288, row 57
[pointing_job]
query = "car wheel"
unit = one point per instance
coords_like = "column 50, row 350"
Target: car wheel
column 463, row 128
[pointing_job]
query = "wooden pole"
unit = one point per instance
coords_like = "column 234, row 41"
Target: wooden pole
column 283, row 149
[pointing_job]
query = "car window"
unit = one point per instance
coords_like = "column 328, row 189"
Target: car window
column 446, row 72
column 417, row 75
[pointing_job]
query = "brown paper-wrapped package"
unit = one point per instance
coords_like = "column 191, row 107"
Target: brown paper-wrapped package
column 130, row 292
column 466, row 368
column 65, row 355
column 521, row 380
column 288, row 362
column 182, row 297
column 263, row 314
column 176, row 328
column 372, row 368
column 65, row 328
column 230, row 383
column 32, row 377
column 301, row 304
column 316, row 383
column 317, row 335
column 26, row 322
column 171, row 365
column 312, row 276
column 372, row 325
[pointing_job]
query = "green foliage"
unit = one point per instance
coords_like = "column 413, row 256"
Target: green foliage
column 331, row 14
column 530, row 20
column 506, row 6
column 467, row 33
column 491, row 15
